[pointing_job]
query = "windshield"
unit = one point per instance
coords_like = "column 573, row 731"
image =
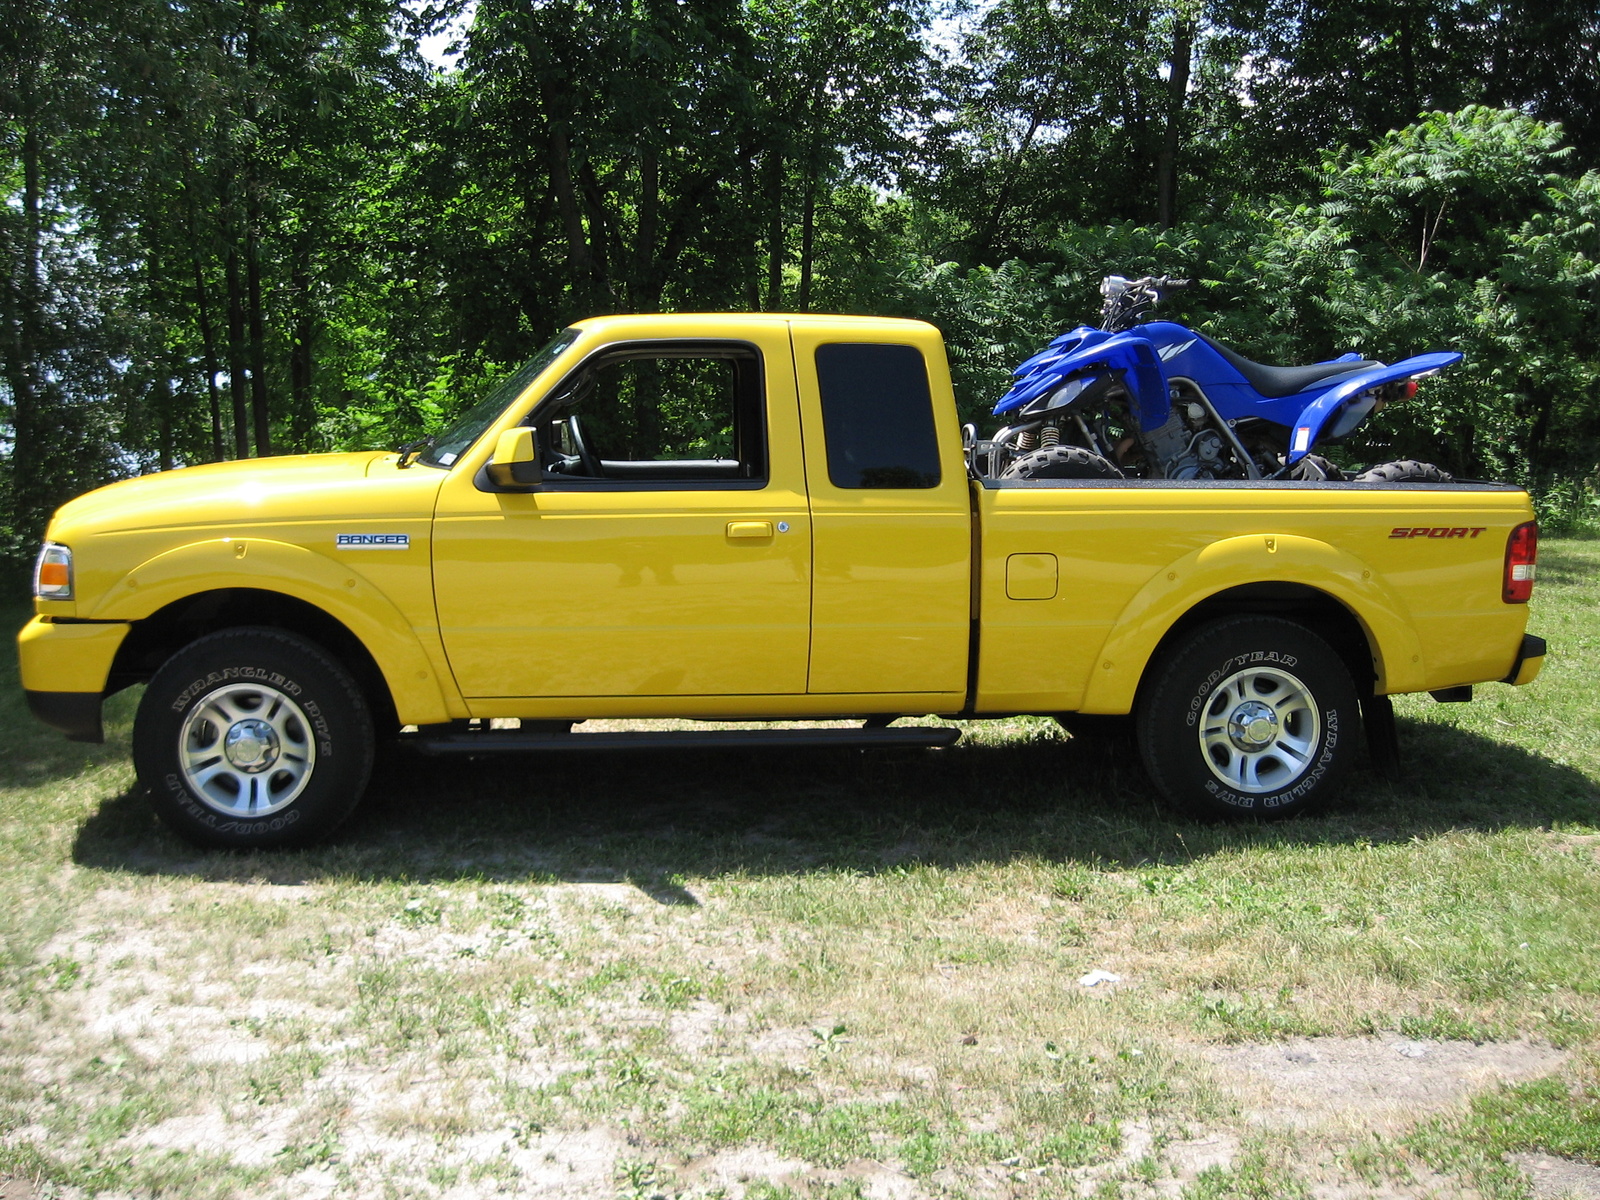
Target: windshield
column 453, row 442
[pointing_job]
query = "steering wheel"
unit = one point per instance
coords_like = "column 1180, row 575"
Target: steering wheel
column 586, row 458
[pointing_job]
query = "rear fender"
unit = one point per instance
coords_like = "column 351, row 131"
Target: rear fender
column 1255, row 558
column 272, row 566
column 1310, row 426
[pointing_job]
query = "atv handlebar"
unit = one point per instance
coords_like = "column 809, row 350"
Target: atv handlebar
column 1126, row 299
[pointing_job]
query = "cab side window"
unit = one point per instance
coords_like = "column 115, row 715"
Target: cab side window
column 877, row 416
column 659, row 413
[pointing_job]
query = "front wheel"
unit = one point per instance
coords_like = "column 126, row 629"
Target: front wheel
column 252, row 738
column 1061, row 462
column 1250, row 716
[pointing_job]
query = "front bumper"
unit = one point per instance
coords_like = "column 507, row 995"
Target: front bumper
column 65, row 666
column 1530, row 658
column 76, row 714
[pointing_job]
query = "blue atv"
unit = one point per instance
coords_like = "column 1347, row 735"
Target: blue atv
column 1160, row 401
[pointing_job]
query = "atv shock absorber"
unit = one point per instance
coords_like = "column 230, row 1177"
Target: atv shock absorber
column 1049, row 436
column 1027, row 440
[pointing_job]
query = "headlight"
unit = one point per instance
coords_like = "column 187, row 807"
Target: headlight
column 52, row 573
column 1059, row 397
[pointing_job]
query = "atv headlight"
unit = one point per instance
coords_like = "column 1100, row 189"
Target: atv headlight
column 52, row 573
column 1059, row 397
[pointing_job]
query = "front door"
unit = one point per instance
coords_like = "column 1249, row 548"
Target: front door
column 666, row 552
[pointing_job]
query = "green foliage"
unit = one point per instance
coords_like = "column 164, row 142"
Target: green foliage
column 1458, row 233
column 240, row 228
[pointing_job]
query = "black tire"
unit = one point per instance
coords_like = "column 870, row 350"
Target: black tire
column 1248, row 716
column 1406, row 470
column 1061, row 462
column 1313, row 468
column 252, row 738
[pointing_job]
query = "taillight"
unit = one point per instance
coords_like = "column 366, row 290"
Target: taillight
column 1522, row 552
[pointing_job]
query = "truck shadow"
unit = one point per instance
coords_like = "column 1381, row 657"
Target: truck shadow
column 655, row 818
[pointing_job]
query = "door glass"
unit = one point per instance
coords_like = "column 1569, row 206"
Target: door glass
column 669, row 416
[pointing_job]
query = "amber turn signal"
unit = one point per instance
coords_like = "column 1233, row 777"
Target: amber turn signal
column 52, row 573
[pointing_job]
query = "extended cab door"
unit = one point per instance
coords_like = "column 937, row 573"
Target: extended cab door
column 666, row 550
column 891, row 517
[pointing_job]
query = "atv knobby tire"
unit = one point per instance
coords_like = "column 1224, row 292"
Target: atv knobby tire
column 1061, row 462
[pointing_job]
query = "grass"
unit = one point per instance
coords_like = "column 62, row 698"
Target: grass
column 820, row 974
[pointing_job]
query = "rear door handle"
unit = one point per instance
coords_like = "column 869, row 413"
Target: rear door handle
column 749, row 529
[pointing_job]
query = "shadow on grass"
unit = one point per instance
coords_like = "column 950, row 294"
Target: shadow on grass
column 653, row 818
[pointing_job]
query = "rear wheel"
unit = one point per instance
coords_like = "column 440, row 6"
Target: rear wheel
column 1405, row 470
column 1313, row 468
column 1062, row 462
column 252, row 738
column 1250, row 716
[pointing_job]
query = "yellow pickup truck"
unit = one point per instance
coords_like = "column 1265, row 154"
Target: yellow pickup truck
column 747, row 517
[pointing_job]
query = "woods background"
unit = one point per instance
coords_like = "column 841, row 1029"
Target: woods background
column 250, row 227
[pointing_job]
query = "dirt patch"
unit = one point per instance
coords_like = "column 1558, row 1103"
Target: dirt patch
column 703, row 1028
column 1178, row 1163
column 1582, row 843
column 733, row 1170
column 572, row 1163
column 1373, row 1082
column 1559, row 1178
column 16, row 1189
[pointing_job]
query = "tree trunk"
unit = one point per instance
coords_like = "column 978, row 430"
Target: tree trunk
column 202, row 304
column 208, row 347
column 302, row 407
column 236, row 366
column 751, row 243
column 647, row 284
column 1183, row 31
column 1002, row 201
column 808, row 228
column 605, row 239
column 258, row 338
column 581, row 266
column 252, row 259
column 160, row 366
column 29, row 390
column 161, row 387
column 774, row 170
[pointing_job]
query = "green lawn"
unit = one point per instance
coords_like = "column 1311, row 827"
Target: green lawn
column 824, row 973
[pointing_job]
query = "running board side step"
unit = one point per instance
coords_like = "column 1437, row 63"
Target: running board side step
column 515, row 740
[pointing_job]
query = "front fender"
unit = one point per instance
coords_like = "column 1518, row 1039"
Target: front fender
column 1255, row 558
column 336, row 588
column 1131, row 353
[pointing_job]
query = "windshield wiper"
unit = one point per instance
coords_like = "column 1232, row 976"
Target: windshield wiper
column 411, row 449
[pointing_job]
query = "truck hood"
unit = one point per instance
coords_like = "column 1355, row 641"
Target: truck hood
column 250, row 491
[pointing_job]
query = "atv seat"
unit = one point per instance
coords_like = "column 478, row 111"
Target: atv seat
column 1275, row 382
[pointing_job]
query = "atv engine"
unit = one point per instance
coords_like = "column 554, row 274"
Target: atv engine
column 1188, row 445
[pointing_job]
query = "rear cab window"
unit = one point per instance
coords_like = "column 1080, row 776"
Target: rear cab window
column 877, row 416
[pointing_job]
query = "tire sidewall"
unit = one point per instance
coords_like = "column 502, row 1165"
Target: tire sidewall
column 335, row 711
column 1405, row 470
column 1061, row 462
column 1169, row 716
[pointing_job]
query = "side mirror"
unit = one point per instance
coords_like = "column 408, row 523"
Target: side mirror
column 515, row 463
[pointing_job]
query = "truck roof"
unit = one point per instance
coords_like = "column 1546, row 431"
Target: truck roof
column 695, row 324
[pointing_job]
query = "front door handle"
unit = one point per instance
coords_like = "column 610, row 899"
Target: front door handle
column 749, row 529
